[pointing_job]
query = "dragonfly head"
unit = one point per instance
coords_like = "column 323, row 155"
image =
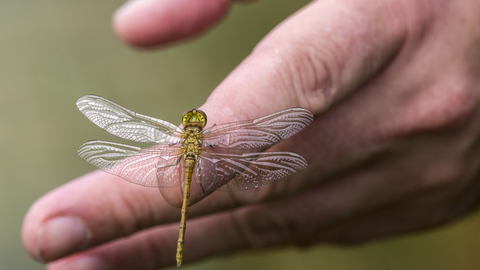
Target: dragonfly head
column 195, row 117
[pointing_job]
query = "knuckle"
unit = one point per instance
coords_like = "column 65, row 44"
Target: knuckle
column 133, row 211
column 312, row 78
column 444, row 176
column 261, row 229
column 446, row 107
column 306, row 73
column 264, row 226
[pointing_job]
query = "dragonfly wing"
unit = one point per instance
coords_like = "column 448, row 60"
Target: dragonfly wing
column 127, row 124
column 151, row 167
column 205, row 175
column 232, row 172
column 259, row 134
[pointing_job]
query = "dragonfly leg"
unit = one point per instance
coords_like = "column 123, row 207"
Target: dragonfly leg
column 175, row 164
column 213, row 145
column 177, row 143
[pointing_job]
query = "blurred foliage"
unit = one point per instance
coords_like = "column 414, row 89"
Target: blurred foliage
column 52, row 52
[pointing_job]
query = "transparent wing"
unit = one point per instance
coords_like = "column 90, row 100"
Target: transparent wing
column 232, row 172
column 151, row 167
column 256, row 135
column 127, row 124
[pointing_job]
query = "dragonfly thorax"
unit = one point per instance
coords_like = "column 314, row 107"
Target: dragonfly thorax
column 192, row 140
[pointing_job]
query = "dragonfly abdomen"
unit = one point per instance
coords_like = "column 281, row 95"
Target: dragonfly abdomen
column 189, row 166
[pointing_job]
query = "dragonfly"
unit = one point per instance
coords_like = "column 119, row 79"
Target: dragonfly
column 225, row 157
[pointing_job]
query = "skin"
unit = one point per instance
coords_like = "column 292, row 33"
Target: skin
column 394, row 147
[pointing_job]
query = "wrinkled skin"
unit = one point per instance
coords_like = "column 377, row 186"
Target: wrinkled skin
column 394, row 147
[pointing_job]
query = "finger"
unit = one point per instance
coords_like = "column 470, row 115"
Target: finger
column 405, row 217
column 420, row 211
column 95, row 209
column 90, row 210
column 155, row 248
column 146, row 23
column 149, row 249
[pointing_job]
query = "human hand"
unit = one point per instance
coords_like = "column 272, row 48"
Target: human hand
column 393, row 148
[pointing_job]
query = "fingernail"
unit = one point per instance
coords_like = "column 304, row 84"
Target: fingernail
column 61, row 236
column 82, row 263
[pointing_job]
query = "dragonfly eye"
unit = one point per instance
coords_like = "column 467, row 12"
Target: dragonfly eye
column 194, row 116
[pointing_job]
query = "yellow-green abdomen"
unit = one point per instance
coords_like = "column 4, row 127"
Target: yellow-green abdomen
column 189, row 165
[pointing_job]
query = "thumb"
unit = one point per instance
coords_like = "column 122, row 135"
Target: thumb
column 313, row 59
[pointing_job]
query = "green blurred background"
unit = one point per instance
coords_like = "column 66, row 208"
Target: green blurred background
column 52, row 52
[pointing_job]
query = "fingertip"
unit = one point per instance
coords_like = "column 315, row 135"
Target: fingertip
column 147, row 23
column 50, row 230
column 93, row 209
column 61, row 236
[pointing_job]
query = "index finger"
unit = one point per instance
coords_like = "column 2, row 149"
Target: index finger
column 93, row 209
